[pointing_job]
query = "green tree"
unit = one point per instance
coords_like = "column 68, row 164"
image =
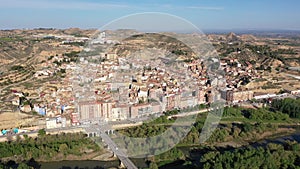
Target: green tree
column 153, row 165
column 23, row 166
column 42, row 132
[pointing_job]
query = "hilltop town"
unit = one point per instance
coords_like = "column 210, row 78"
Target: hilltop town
column 47, row 81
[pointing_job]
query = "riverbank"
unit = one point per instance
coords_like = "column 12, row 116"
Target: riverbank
column 280, row 132
column 104, row 159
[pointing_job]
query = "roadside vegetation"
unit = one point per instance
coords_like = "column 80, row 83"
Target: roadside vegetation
column 239, row 126
column 273, row 156
column 48, row 147
column 288, row 106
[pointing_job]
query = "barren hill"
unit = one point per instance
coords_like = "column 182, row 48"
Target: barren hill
column 155, row 41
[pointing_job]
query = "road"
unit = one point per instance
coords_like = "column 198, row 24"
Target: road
column 294, row 76
column 49, row 131
column 183, row 114
column 112, row 145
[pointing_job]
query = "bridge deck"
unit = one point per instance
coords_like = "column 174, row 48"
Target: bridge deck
column 112, row 145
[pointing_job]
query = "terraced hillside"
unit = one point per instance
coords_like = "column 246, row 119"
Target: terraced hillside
column 268, row 52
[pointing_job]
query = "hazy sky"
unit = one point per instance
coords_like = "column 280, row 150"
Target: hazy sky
column 205, row 14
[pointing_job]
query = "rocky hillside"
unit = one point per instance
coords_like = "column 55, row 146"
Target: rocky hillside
column 30, row 47
column 140, row 42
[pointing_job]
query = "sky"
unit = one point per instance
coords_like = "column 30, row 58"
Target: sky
column 205, row 14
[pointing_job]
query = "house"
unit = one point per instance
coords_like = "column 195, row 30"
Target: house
column 75, row 118
column 292, row 90
column 295, row 92
column 170, row 102
column 40, row 109
column 15, row 101
column 259, row 96
column 26, row 108
column 156, row 107
column 51, row 123
column 143, row 92
column 188, row 102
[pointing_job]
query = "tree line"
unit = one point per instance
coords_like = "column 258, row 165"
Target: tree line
column 273, row 156
column 46, row 147
column 288, row 106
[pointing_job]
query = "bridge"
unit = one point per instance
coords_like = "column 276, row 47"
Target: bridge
column 103, row 131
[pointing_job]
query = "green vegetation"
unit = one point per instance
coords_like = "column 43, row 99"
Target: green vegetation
column 47, row 147
column 179, row 52
column 237, row 124
column 75, row 43
column 77, row 35
column 269, row 156
column 23, row 166
column 267, row 51
column 171, row 155
column 50, row 57
column 259, row 50
column 286, row 51
column 11, row 39
column 288, row 106
column 17, row 67
column 27, row 85
column 57, row 63
column 144, row 130
column 72, row 55
column 153, row 165
column 42, row 132
column 266, row 115
column 31, row 165
column 274, row 156
column 62, row 71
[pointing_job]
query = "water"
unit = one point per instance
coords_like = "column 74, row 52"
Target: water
column 278, row 140
column 141, row 163
column 92, row 164
column 80, row 164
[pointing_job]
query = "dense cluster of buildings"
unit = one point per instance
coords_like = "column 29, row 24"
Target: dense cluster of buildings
column 237, row 75
column 121, row 88
column 131, row 89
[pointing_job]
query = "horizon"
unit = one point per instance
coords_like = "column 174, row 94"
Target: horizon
column 205, row 14
column 206, row 31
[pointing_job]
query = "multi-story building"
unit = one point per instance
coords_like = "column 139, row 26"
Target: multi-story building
column 201, row 96
column 120, row 112
column 170, row 102
column 140, row 110
column 75, row 118
column 238, row 96
column 209, row 97
column 177, row 100
column 51, row 123
column 93, row 110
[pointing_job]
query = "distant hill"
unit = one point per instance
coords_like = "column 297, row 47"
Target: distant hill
column 26, row 47
column 231, row 37
column 140, row 42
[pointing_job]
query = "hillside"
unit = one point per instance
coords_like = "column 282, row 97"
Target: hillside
column 147, row 41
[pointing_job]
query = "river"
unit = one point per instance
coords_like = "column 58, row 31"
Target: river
column 141, row 163
column 79, row 164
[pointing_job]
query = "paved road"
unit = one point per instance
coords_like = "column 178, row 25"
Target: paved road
column 112, row 145
column 65, row 129
column 183, row 114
